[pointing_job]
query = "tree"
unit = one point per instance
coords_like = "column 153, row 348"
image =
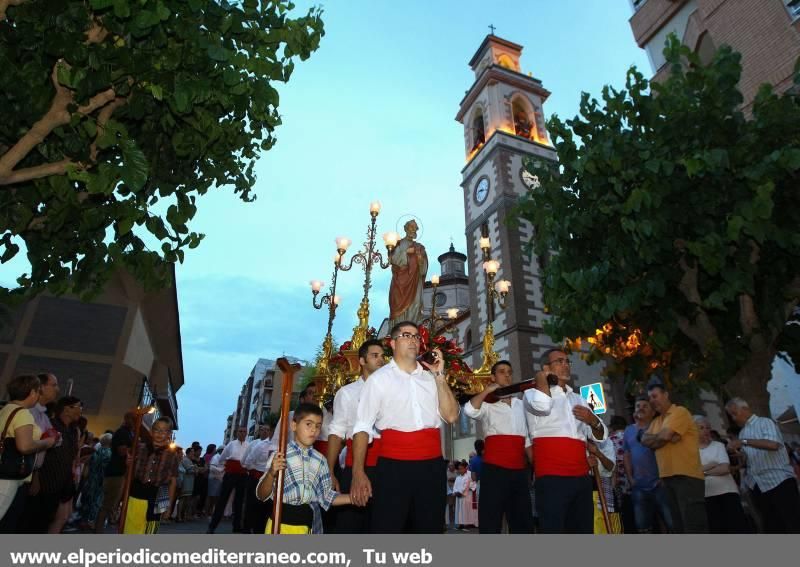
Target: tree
column 673, row 221
column 115, row 116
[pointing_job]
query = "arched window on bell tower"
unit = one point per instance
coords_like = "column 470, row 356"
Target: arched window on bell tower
column 478, row 130
column 506, row 61
column 523, row 118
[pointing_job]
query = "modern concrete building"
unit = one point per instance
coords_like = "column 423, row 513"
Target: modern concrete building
column 118, row 351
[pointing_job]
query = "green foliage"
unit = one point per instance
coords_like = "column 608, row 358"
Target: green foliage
column 193, row 86
column 656, row 180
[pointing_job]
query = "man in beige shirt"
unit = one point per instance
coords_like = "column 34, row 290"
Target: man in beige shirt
column 674, row 438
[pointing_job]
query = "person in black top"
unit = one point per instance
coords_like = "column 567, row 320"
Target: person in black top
column 114, row 481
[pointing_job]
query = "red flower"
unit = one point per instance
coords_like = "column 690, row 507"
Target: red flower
column 455, row 366
column 451, row 344
column 454, row 351
column 425, row 335
column 347, row 345
column 439, row 340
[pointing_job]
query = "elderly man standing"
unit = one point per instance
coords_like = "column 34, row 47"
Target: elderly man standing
column 769, row 474
column 674, row 438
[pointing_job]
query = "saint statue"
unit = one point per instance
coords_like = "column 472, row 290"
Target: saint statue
column 409, row 267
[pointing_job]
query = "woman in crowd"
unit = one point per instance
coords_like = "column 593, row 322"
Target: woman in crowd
column 92, row 495
column 723, row 503
column 17, row 422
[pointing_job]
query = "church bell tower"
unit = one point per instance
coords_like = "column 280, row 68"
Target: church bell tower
column 503, row 118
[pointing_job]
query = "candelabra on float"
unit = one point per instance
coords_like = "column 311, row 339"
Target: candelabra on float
column 367, row 258
column 495, row 292
column 448, row 323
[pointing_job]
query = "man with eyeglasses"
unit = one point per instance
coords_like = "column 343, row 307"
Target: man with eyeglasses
column 407, row 403
column 154, row 466
column 561, row 423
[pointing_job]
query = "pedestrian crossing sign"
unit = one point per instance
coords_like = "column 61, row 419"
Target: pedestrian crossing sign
column 594, row 396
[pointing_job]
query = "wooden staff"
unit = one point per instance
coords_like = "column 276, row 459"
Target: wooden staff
column 288, row 371
column 601, row 493
column 129, row 468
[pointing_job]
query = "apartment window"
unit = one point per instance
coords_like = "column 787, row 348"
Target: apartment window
column 794, row 8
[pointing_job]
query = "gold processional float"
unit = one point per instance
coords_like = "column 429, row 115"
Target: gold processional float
column 336, row 368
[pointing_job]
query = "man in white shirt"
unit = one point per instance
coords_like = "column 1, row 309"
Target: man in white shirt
column 505, row 475
column 561, row 422
column 235, row 479
column 407, row 404
column 255, row 461
column 353, row 519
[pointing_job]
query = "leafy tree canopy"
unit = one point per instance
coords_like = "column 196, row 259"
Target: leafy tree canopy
column 673, row 220
column 115, row 116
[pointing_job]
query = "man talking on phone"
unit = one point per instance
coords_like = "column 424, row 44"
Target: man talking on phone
column 406, row 400
column 561, row 422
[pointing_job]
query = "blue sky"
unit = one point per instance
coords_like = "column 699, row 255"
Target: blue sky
column 369, row 116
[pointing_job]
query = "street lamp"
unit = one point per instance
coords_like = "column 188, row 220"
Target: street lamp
column 330, row 299
column 448, row 323
column 495, row 292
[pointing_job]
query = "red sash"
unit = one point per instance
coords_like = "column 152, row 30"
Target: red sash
column 507, row 451
column 322, row 447
column 560, row 456
column 411, row 445
column 373, row 452
column 234, row 467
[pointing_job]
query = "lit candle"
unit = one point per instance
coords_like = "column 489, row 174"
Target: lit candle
column 336, row 299
column 502, row 286
column 342, row 243
column 435, row 279
column 452, row 313
column 485, row 243
column 375, row 207
column 390, row 239
column 316, row 285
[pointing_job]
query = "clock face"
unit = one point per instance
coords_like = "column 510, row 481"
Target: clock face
column 481, row 190
column 530, row 180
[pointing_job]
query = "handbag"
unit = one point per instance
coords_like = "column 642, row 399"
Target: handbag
column 13, row 464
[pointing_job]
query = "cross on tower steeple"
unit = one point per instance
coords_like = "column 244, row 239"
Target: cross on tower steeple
column 491, row 27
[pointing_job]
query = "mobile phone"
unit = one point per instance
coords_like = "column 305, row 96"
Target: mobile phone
column 428, row 357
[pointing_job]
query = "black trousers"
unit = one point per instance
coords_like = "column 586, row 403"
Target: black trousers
column 230, row 482
column 564, row 504
column 38, row 513
column 780, row 508
column 504, row 492
column 256, row 512
column 725, row 514
column 354, row 519
column 687, row 503
column 11, row 523
column 409, row 496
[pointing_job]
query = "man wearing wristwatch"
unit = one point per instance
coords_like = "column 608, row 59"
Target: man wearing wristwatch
column 561, row 422
column 769, row 474
column 674, row 437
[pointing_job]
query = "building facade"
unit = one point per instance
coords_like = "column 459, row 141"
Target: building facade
column 117, row 352
column 765, row 32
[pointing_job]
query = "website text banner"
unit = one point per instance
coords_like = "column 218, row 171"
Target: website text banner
column 387, row 550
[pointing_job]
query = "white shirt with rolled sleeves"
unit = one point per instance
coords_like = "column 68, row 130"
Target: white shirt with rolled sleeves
column 234, row 451
column 345, row 410
column 324, row 430
column 500, row 418
column 394, row 399
column 551, row 416
column 257, row 455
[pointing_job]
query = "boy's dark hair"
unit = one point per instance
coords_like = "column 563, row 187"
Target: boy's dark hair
column 305, row 409
column 362, row 350
column 498, row 363
column 479, row 445
column 64, row 402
